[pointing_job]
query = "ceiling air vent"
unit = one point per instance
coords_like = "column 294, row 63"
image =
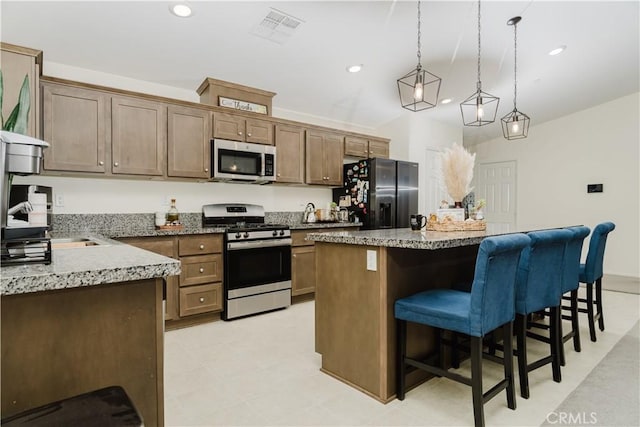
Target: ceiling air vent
column 277, row 26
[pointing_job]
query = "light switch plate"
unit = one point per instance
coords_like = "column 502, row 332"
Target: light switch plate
column 372, row 261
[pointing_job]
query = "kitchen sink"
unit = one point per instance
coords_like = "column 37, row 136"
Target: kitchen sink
column 77, row 242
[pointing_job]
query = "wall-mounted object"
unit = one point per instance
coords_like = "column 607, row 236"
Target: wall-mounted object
column 211, row 92
column 594, row 188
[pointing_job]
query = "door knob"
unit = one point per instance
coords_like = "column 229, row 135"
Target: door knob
column 201, row 246
column 201, row 270
column 249, row 134
column 201, row 299
column 101, row 163
column 115, row 164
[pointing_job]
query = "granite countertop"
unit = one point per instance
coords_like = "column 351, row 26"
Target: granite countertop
column 301, row 226
column 110, row 262
column 407, row 238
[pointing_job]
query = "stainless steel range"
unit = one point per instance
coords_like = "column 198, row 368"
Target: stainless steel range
column 257, row 259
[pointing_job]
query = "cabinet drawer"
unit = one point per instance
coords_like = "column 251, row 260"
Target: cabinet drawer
column 201, row 269
column 200, row 299
column 298, row 236
column 200, row 244
column 159, row 245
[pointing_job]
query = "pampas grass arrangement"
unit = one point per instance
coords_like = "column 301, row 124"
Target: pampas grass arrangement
column 457, row 171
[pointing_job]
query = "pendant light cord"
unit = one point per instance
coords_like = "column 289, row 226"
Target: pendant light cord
column 419, row 36
column 515, row 64
column 479, row 83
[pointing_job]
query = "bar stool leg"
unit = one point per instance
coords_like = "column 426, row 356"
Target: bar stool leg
column 561, row 335
column 555, row 339
column 575, row 327
column 521, row 339
column 401, row 326
column 590, row 314
column 599, row 303
column 476, row 380
column 507, row 332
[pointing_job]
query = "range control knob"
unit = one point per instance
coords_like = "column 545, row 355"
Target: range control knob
column 275, row 233
column 238, row 235
column 246, row 235
column 282, row 232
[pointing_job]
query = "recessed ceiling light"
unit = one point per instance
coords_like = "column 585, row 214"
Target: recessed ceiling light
column 182, row 10
column 557, row 50
column 354, row 68
column 446, row 101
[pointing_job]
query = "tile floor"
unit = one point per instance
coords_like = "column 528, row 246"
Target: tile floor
column 263, row 371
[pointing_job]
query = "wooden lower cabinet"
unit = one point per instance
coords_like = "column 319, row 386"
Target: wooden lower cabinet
column 303, row 270
column 200, row 299
column 198, row 289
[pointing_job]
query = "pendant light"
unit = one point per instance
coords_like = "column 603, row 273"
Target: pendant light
column 419, row 88
column 480, row 108
column 515, row 125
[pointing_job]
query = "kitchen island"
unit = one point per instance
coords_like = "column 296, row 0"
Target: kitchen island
column 360, row 275
column 93, row 318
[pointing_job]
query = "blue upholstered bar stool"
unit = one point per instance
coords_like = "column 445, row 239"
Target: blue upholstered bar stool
column 570, row 284
column 539, row 286
column 489, row 305
column 591, row 272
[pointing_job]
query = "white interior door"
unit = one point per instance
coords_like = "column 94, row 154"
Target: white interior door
column 433, row 187
column 496, row 183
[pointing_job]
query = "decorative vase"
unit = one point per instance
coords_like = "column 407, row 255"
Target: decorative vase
column 458, row 204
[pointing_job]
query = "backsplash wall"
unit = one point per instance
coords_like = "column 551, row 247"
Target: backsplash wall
column 87, row 195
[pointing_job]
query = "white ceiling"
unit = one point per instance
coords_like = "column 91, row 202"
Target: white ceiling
column 142, row 40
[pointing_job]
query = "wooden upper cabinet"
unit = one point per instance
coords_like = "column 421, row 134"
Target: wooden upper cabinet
column 75, row 122
column 139, row 135
column 324, row 154
column 16, row 63
column 365, row 148
column 188, row 142
column 289, row 153
column 378, row 148
column 240, row 128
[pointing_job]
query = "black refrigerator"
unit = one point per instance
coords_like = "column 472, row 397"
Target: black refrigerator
column 380, row 193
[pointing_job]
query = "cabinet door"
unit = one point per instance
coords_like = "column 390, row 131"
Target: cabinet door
column 303, row 270
column 357, row 147
column 333, row 156
column 314, row 158
column 188, row 142
column 139, row 134
column 259, row 131
column 228, row 126
column 378, row 149
column 17, row 63
column 289, row 154
column 76, row 125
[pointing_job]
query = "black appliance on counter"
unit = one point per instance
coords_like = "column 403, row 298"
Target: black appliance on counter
column 257, row 259
column 381, row 193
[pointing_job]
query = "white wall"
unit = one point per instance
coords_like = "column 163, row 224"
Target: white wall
column 557, row 161
column 411, row 134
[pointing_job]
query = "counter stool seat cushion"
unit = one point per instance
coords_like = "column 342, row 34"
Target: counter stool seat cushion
column 442, row 308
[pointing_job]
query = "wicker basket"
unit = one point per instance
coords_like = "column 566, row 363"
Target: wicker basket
column 448, row 224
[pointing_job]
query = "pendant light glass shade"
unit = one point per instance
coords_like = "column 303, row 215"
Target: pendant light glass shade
column 515, row 125
column 419, row 89
column 480, row 108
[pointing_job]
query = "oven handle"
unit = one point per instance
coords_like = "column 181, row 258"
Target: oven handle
column 253, row 244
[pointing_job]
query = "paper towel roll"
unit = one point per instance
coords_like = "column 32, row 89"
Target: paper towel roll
column 38, row 216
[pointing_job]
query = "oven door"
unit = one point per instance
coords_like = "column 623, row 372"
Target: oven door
column 251, row 264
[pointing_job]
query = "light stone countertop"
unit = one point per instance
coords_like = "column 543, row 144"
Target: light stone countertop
column 111, row 262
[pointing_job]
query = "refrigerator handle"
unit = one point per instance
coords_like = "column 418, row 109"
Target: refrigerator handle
column 386, row 215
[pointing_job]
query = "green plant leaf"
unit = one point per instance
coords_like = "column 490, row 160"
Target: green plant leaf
column 24, row 105
column 11, row 120
column 1, row 93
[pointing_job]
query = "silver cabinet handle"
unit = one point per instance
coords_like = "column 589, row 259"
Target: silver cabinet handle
column 293, row 256
column 201, row 246
column 201, row 299
column 248, row 134
column 278, row 175
column 201, row 270
column 239, row 132
column 115, row 164
column 101, row 163
column 206, row 169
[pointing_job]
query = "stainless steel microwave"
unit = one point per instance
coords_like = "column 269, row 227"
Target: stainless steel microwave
column 242, row 161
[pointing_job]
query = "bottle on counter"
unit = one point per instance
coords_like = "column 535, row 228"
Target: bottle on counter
column 172, row 214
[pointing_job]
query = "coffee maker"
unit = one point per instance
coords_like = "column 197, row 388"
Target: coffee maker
column 22, row 242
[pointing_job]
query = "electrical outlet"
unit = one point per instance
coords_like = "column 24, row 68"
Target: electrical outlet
column 372, row 261
column 59, row 200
